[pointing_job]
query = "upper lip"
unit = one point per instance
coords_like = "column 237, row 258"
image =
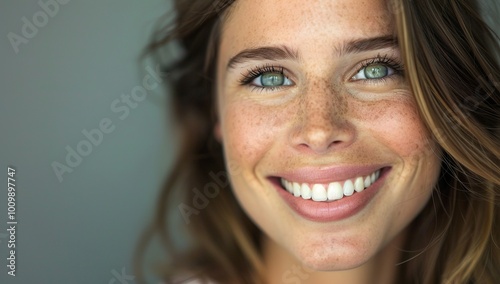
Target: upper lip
column 327, row 174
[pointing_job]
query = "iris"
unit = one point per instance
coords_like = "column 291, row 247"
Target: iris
column 376, row 71
column 272, row 79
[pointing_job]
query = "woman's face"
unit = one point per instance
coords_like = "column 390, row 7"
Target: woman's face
column 323, row 141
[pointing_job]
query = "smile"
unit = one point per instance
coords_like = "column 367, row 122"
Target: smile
column 330, row 191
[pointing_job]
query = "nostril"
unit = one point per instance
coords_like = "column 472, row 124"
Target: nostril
column 321, row 136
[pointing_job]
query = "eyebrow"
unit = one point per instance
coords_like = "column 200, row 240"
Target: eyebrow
column 367, row 44
column 264, row 53
column 283, row 52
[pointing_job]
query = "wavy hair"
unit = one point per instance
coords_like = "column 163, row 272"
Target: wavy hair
column 451, row 58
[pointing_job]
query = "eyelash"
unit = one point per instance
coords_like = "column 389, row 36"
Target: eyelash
column 255, row 72
column 394, row 64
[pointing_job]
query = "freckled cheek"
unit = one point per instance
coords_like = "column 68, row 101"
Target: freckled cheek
column 249, row 131
column 396, row 123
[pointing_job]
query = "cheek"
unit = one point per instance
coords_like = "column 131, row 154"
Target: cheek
column 395, row 126
column 247, row 131
column 393, row 123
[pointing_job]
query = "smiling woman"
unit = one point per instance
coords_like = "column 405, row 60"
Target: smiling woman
column 360, row 139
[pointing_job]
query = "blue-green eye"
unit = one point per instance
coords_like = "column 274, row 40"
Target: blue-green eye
column 273, row 79
column 266, row 77
column 374, row 71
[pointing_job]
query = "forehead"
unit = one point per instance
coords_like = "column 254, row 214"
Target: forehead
column 294, row 22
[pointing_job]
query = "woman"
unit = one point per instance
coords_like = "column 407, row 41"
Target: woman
column 360, row 139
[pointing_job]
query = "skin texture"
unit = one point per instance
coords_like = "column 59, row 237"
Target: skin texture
column 324, row 118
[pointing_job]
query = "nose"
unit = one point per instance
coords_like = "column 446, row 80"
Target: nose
column 322, row 124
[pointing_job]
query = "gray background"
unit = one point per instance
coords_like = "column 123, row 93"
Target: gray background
column 62, row 81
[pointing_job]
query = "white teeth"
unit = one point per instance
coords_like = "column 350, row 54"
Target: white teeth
column 348, row 188
column 332, row 191
column 335, row 191
column 296, row 189
column 367, row 181
column 359, row 184
column 318, row 192
column 286, row 184
column 305, row 191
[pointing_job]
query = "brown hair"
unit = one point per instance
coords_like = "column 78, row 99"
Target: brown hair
column 449, row 54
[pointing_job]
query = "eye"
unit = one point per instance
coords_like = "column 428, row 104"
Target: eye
column 267, row 77
column 271, row 79
column 374, row 71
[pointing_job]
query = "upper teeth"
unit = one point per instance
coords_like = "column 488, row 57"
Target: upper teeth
column 332, row 191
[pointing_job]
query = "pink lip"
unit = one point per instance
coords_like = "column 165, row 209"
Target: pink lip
column 334, row 210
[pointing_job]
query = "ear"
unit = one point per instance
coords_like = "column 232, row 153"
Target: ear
column 218, row 132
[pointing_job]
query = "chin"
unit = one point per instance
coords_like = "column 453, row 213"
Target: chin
column 332, row 263
column 334, row 258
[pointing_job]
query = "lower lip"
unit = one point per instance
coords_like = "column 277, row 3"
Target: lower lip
column 320, row 211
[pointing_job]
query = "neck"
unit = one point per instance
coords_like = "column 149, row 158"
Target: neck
column 282, row 267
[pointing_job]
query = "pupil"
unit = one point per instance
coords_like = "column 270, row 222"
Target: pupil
column 272, row 79
column 376, row 71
